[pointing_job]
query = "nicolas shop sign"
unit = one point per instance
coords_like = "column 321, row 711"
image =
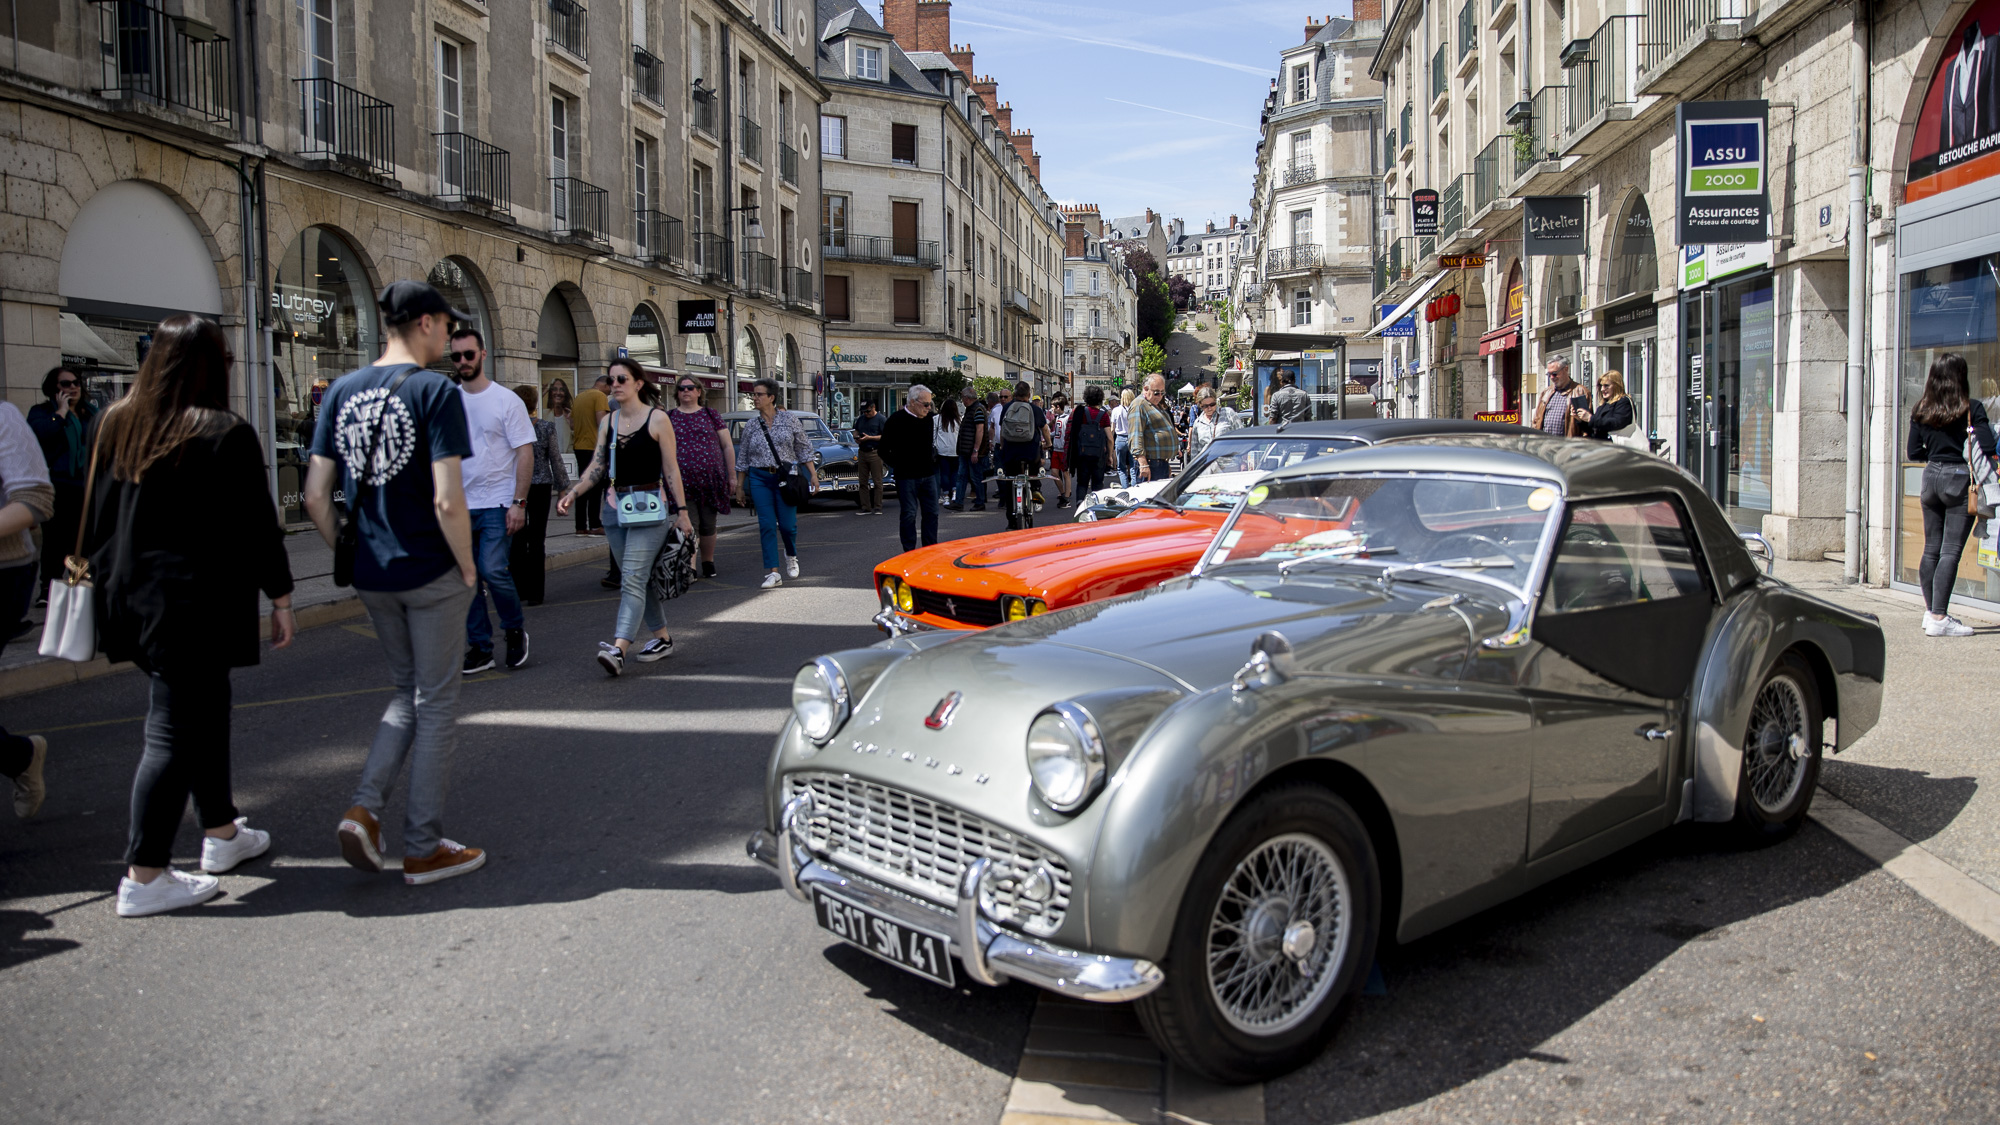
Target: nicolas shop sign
column 1554, row 224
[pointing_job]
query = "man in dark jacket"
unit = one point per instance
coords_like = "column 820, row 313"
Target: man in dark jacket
column 910, row 451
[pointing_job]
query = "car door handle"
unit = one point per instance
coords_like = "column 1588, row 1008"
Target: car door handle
column 1653, row 732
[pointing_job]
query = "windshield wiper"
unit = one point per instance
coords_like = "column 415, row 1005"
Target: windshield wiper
column 1155, row 502
column 1448, row 568
column 1337, row 554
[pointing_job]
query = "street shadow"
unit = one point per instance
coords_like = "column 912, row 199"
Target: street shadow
column 1480, row 995
column 986, row 1025
column 17, row 948
column 1914, row 803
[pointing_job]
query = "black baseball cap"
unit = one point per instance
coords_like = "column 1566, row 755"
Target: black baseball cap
column 405, row 301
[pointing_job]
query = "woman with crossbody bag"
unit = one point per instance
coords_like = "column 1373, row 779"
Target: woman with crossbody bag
column 776, row 474
column 1946, row 425
column 643, row 506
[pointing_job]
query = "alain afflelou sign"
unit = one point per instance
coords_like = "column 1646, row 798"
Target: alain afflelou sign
column 697, row 316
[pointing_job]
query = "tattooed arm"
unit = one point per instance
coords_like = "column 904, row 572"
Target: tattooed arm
column 593, row 476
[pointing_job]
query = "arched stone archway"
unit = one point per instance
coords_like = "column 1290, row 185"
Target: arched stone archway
column 1631, row 260
column 324, row 324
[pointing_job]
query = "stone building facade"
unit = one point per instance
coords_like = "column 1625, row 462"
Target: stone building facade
column 1100, row 306
column 557, row 171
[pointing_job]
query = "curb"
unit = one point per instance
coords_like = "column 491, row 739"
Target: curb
column 51, row 673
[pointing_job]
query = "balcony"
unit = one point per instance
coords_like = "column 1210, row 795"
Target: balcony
column 657, row 236
column 1300, row 171
column 1468, row 28
column 569, row 26
column 749, row 140
column 1490, row 170
column 152, row 58
column 1451, row 210
column 1292, row 259
column 1440, row 74
column 1395, row 265
column 798, row 288
column 1404, row 130
column 1087, row 332
column 1603, row 86
column 701, row 109
column 649, row 77
column 1535, row 139
column 472, row 171
column 1389, row 150
column 1689, row 41
column 579, row 210
column 1025, row 306
column 709, row 254
column 760, row 274
column 788, row 164
column 840, row 246
column 344, row 125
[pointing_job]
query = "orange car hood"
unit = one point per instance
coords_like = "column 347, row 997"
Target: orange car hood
column 1066, row 563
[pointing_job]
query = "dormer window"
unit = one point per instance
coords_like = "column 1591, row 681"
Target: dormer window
column 868, row 63
column 1302, row 83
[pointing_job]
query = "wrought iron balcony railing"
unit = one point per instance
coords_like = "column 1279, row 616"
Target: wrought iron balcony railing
column 1404, row 130
column 750, row 139
column 788, row 163
column 569, row 26
column 579, row 209
column 848, row 247
column 1468, row 27
column 1536, row 139
column 798, row 287
column 1487, row 184
column 1670, row 23
column 1451, row 208
column 341, row 123
column 471, row 171
column 1440, row 71
column 1607, row 75
column 701, row 109
column 760, row 274
column 152, row 57
column 709, row 254
column 657, row 235
column 649, row 76
column 1300, row 171
column 1020, row 302
column 1292, row 259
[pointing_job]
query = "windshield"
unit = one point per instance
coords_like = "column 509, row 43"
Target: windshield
column 1235, row 465
column 1487, row 526
column 816, row 429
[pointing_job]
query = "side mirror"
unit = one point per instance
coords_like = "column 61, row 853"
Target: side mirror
column 1271, row 663
column 1760, row 547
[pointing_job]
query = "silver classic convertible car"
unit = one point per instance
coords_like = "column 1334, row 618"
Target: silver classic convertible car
column 1404, row 684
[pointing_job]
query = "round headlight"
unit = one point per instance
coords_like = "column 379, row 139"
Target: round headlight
column 819, row 699
column 1086, row 516
column 1065, row 757
column 1036, row 607
column 906, row 597
column 1013, row 608
column 888, row 589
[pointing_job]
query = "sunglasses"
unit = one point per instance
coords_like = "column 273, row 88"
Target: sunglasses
column 66, row 382
column 621, row 380
column 464, row 355
column 687, row 387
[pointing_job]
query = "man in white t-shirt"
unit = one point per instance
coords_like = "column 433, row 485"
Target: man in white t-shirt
column 496, row 495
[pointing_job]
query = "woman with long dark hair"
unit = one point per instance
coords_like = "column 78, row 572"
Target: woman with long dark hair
column 944, row 435
column 1938, row 425
column 182, row 537
column 60, row 421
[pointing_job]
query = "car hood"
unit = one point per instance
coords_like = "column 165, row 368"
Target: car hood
column 835, row 451
column 1060, row 561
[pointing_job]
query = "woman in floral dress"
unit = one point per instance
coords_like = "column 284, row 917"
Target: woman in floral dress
column 708, row 463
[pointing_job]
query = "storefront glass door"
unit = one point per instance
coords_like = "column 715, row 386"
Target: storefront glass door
column 1729, row 396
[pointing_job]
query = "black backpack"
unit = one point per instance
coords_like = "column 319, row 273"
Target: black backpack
column 1090, row 439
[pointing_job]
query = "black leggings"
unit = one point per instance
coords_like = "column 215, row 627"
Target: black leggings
column 16, row 754
column 1947, row 525
column 187, row 754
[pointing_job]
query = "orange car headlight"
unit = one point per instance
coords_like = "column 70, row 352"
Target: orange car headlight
column 1014, row 608
column 906, row 598
column 1037, row 607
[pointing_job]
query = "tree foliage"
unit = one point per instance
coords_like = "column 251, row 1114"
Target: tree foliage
column 1156, row 309
column 1152, row 357
column 944, row 382
column 1182, row 292
column 987, row 384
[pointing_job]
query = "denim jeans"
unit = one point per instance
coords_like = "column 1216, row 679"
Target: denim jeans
column 1127, row 471
column 972, row 473
column 1947, row 525
column 187, row 754
column 918, row 497
column 1089, row 475
column 947, row 477
column 423, row 636
column 775, row 519
column 635, row 548
column 1160, row 468
column 490, row 548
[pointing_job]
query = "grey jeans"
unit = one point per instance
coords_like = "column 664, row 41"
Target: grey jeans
column 423, row 635
column 1947, row 525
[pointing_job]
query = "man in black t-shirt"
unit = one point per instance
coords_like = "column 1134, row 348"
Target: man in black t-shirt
column 393, row 438
column 869, row 464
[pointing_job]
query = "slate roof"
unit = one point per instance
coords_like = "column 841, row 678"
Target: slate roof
column 837, row 17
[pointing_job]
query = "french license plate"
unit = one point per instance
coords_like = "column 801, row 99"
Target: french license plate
column 919, row 951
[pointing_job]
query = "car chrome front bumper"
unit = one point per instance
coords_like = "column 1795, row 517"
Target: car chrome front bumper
column 897, row 625
column 988, row 953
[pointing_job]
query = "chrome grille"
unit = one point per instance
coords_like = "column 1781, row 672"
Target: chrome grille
column 922, row 846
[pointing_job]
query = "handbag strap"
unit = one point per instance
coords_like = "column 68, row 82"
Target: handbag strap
column 89, row 482
column 778, row 464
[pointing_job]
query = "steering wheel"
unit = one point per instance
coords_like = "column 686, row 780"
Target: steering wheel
column 1437, row 549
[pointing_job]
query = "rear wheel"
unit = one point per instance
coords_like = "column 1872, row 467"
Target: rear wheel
column 1273, row 940
column 1781, row 752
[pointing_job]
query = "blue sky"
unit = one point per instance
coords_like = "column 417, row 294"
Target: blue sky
column 1138, row 103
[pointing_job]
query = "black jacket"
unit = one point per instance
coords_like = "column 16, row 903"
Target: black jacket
column 907, row 445
column 1610, row 418
column 1947, row 446
column 179, row 557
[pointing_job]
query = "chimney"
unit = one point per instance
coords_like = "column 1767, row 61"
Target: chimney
column 1024, row 143
column 1367, row 10
column 933, row 25
column 961, row 57
column 1312, row 27
column 1003, row 116
column 1149, row 214
column 1232, row 222
column 988, row 91
column 899, row 19
column 1211, row 227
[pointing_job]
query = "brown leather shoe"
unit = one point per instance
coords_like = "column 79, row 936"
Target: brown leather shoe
column 361, row 839
column 448, row 860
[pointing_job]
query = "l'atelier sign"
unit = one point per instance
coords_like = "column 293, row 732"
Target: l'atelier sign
column 1554, row 224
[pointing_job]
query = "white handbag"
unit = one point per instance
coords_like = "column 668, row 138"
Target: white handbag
column 1985, row 484
column 70, row 632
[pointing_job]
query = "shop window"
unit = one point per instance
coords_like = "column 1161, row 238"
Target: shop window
column 1635, row 264
column 645, row 340
column 326, row 327
column 749, row 364
column 1947, row 308
column 1563, row 294
column 453, row 279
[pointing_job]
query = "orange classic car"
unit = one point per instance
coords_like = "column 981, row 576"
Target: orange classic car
column 979, row 582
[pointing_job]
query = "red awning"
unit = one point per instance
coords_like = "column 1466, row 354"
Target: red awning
column 1500, row 340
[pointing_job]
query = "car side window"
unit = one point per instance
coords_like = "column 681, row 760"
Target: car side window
column 1623, row 553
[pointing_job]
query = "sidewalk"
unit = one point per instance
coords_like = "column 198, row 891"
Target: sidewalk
column 315, row 601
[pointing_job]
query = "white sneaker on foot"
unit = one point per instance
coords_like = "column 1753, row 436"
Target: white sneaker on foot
column 1946, row 626
column 791, row 566
column 171, row 891
column 219, row 855
column 772, row 580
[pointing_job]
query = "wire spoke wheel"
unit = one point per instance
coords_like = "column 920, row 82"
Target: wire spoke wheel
column 1779, row 744
column 1278, row 931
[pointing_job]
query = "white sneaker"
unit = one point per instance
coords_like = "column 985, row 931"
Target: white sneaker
column 218, row 855
column 791, row 566
column 1946, row 626
column 772, row 581
column 171, row 891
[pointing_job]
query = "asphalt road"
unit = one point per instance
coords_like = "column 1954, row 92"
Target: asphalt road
column 619, row 958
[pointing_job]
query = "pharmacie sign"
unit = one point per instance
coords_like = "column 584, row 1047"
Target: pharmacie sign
column 1721, row 194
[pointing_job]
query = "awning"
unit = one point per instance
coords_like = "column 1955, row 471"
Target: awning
column 1500, row 339
column 1409, row 303
column 1295, row 342
column 79, row 341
